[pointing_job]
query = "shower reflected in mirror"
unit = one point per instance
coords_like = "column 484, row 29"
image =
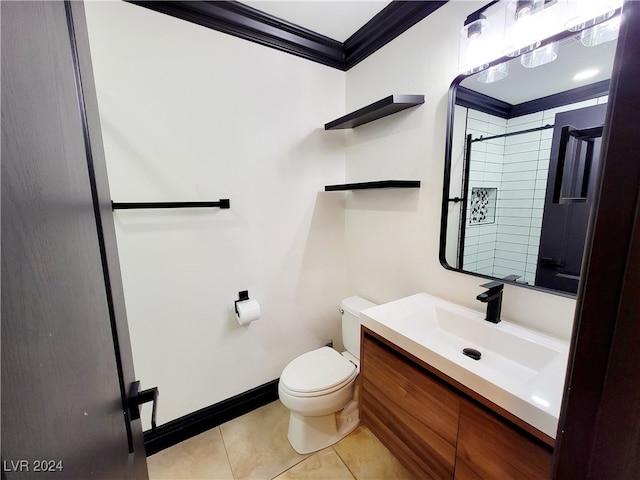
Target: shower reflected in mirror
column 521, row 165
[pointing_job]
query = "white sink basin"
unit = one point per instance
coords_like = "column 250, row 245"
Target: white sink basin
column 520, row 370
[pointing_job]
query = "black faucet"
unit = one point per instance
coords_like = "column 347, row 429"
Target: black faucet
column 493, row 298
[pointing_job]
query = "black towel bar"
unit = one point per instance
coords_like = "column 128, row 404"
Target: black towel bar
column 223, row 203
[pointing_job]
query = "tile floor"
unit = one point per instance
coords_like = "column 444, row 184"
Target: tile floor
column 255, row 447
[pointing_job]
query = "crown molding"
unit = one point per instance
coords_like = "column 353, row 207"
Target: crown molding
column 391, row 21
column 237, row 19
column 483, row 103
column 243, row 21
column 578, row 94
column 468, row 98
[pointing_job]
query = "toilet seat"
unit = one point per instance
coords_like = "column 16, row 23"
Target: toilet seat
column 317, row 373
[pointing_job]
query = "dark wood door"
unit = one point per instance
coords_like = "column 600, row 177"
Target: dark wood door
column 66, row 357
column 599, row 428
column 571, row 188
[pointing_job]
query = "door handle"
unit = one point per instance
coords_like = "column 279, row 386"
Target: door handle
column 550, row 262
column 137, row 398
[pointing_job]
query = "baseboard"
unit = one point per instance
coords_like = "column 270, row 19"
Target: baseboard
column 200, row 421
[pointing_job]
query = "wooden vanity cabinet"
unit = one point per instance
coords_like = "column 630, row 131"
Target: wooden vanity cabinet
column 414, row 415
column 490, row 448
column 435, row 430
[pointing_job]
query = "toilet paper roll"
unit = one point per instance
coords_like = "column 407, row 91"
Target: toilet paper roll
column 247, row 311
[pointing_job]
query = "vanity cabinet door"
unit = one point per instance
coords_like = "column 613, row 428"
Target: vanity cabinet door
column 490, row 448
column 413, row 414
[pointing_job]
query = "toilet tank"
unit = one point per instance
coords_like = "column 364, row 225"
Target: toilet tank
column 350, row 309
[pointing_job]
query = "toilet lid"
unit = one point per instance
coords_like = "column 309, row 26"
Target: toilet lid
column 317, row 371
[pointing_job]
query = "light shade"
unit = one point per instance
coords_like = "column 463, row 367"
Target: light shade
column 522, row 26
column 495, row 73
column 601, row 33
column 473, row 51
column 480, row 40
column 540, row 56
column 587, row 13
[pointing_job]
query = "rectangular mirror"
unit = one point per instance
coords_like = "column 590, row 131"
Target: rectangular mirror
column 521, row 165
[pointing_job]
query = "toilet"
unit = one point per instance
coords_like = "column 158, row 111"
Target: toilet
column 318, row 387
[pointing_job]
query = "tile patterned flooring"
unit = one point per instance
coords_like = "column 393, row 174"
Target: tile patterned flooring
column 255, row 447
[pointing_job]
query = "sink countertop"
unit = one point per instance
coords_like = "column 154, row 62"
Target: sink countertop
column 521, row 370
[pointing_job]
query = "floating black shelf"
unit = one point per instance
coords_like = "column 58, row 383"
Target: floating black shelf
column 379, row 109
column 371, row 185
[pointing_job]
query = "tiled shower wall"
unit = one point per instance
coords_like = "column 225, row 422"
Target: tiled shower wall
column 518, row 167
column 486, row 170
column 521, row 196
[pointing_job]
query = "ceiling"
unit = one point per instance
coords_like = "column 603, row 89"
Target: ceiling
column 336, row 19
column 524, row 84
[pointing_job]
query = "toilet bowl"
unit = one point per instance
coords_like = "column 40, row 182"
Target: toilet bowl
column 318, row 387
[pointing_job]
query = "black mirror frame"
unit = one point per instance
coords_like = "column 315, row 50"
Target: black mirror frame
column 447, row 178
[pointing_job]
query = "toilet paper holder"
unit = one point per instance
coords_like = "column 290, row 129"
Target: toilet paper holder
column 242, row 296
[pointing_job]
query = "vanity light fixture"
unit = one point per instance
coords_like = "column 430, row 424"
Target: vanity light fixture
column 540, row 56
column 495, row 73
column 601, row 33
column 522, row 26
column 524, row 8
column 583, row 75
column 513, row 28
column 587, row 13
column 474, row 51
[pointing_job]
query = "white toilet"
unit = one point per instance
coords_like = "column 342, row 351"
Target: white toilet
column 318, row 387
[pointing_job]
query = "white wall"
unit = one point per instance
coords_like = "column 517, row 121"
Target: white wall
column 393, row 236
column 189, row 113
